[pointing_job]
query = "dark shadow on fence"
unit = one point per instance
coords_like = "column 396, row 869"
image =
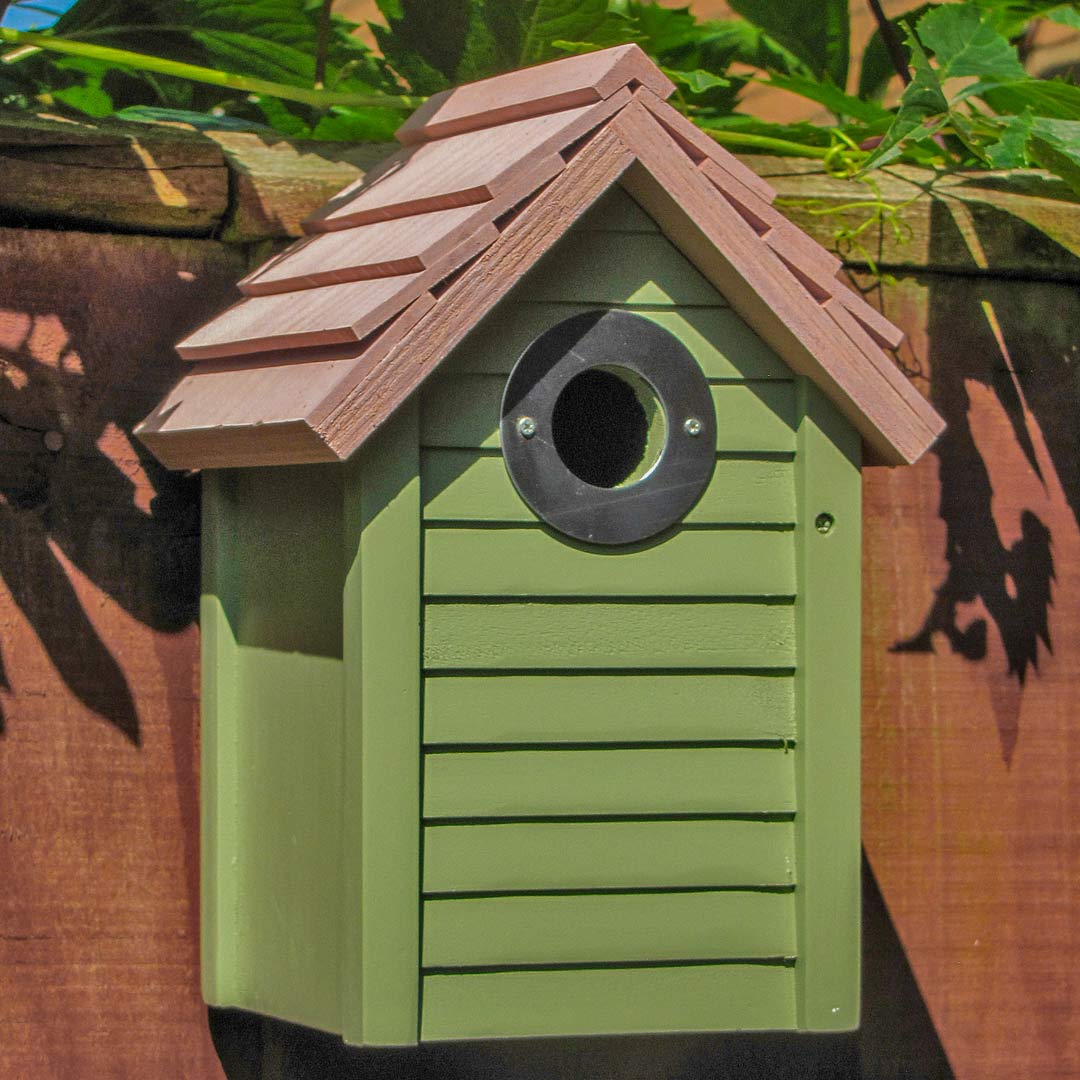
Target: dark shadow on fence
column 1016, row 339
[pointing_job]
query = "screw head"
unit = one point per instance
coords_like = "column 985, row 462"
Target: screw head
column 693, row 426
column 526, row 426
column 824, row 523
column 54, row 441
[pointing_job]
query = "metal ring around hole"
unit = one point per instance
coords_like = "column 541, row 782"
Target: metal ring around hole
column 633, row 511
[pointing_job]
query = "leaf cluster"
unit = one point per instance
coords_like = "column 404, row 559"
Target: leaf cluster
column 294, row 67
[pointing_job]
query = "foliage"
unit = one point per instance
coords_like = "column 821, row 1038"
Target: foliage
column 293, row 67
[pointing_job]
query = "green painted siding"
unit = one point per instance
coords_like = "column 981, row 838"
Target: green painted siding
column 745, row 997
column 466, row 777
column 272, row 740
column 612, row 732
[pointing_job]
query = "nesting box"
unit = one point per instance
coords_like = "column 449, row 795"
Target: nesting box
column 531, row 585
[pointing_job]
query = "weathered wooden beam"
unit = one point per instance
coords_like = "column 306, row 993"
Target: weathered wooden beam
column 1008, row 223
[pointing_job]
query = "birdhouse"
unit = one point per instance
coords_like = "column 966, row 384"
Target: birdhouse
column 530, row 620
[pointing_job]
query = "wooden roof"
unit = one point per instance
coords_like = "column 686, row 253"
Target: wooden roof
column 334, row 333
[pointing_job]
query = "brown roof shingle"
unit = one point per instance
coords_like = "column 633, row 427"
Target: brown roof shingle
column 336, row 331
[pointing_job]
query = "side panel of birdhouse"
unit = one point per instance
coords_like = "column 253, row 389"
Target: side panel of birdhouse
column 614, row 783
column 272, row 741
column 382, row 752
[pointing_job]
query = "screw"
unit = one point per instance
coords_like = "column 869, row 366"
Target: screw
column 53, row 440
column 693, row 426
column 526, row 426
column 824, row 523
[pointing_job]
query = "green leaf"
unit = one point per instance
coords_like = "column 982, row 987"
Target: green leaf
column 1055, row 145
column 89, row 99
column 1043, row 97
column 271, row 40
column 660, row 31
column 965, row 42
column 357, row 125
column 832, row 97
column 542, row 22
column 151, row 114
column 803, row 133
column 696, row 81
column 923, row 109
column 1010, row 150
column 1067, row 16
column 718, row 44
column 1011, row 17
column 817, row 32
column 424, row 42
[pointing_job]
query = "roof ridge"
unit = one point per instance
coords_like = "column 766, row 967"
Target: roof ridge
column 775, row 277
column 533, row 91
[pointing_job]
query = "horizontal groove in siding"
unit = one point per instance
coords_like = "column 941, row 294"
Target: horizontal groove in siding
column 718, row 339
column 608, row 1001
column 563, row 708
column 527, row 783
column 606, row 928
column 471, row 485
column 463, row 411
column 554, row 635
column 534, row 562
column 608, row 855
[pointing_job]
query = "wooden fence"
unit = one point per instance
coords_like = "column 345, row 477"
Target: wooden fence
column 115, row 240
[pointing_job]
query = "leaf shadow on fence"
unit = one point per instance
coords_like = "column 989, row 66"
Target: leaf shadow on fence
column 85, row 351
column 1002, row 362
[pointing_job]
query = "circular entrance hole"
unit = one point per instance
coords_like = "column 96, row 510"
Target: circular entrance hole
column 608, row 427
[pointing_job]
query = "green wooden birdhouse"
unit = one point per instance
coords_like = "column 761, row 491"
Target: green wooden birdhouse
column 531, row 585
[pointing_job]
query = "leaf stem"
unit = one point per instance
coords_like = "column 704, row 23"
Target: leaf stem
column 891, row 40
column 195, row 73
column 767, row 143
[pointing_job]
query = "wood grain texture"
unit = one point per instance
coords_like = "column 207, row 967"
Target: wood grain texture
column 699, row 147
column 110, row 175
column 329, row 315
column 612, row 782
column 608, row 635
column 534, row 562
column 463, row 169
column 898, row 426
column 608, row 1001
column 473, row 485
column 971, row 770
column 275, row 184
column 607, row 928
column 1020, row 219
column 397, row 246
column 217, row 415
column 381, row 249
column 552, row 87
column 462, row 709
column 345, row 419
column 99, row 955
column 608, row 855
column 885, row 333
column 771, row 225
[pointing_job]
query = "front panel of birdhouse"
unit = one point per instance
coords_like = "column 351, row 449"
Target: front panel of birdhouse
column 471, row 776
